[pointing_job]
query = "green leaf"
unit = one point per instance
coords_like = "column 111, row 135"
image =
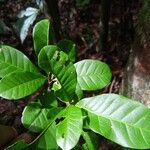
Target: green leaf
column 69, row 130
column 51, row 54
column 48, row 140
column 41, row 141
column 20, row 84
column 26, row 19
column 92, row 74
column 41, row 35
column 19, row 145
column 79, row 92
column 119, row 119
column 91, row 141
column 38, row 119
column 56, row 62
column 56, row 85
column 48, row 99
column 13, row 60
column 69, row 48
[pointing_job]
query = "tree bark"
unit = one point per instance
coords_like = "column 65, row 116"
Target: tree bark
column 105, row 15
column 53, row 12
column 136, row 79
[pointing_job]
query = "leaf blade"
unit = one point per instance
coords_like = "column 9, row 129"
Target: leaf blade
column 69, row 48
column 20, row 84
column 56, row 62
column 13, row 60
column 48, row 140
column 92, row 74
column 91, row 141
column 69, row 130
column 41, row 35
column 26, row 19
column 119, row 119
column 38, row 119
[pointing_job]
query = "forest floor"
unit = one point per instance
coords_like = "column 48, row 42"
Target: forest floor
column 83, row 26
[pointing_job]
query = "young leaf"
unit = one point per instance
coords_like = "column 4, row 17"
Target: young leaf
column 92, row 74
column 48, row 140
column 26, row 19
column 68, row 47
column 41, row 35
column 38, row 119
column 56, row 86
column 119, row 119
column 48, row 55
column 13, row 60
column 20, row 84
column 69, row 130
column 56, row 62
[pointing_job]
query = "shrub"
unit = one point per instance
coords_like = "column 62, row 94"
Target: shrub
column 61, row 115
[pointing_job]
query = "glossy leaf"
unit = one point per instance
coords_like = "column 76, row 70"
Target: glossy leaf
column 119, row 119
column 41, row 35
column 38, row 119
column 20, row 84
column 48, row 135
column 92, row 74
column 79, row 92
column 50, row 54
column 91, row 141
column 69, row 130
column 48, row 140
column 57, row 63
column 69, row 48
column 13, row 60
column 26, row 19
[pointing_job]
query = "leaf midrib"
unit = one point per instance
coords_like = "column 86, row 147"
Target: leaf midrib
column 9, row 64
column 41, row 111
column 126, row 123
column 19, row 68
column 42, row 77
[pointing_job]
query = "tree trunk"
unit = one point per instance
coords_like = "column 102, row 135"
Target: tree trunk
column 136, row 79
column 105, row 15
column 53, row 12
